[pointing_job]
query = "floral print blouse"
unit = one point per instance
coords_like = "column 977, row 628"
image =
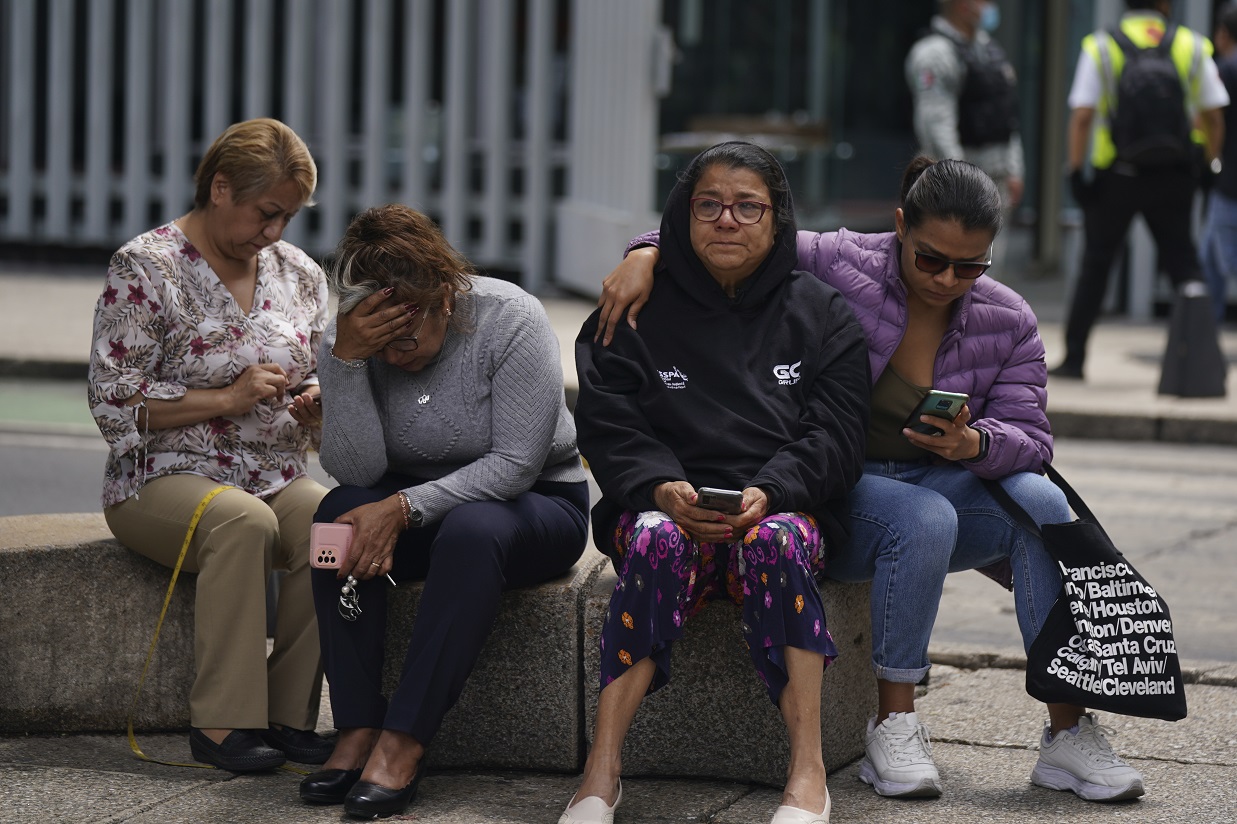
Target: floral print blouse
column 166, row 324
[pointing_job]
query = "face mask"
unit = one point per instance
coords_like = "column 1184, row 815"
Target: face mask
column 990, row 17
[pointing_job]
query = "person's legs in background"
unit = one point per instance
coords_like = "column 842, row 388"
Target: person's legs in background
column 1167, row 204
column 1219, row 250
column 1106, row 219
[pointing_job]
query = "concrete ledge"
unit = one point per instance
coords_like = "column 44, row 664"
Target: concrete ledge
column 1072, row 424
column 521, row 707
column 1200, row 429
column 714, row 719
column 75, row 624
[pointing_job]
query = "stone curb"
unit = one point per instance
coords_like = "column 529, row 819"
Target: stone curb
column 57, row 370
column 1166, row 429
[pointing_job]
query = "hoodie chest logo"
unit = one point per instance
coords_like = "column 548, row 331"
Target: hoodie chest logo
column 674, row 379
column 787, row 374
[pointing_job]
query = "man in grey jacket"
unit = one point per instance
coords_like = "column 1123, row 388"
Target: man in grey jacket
column 966, row 107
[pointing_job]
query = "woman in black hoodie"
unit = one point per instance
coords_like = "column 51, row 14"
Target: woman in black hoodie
column 749, row 376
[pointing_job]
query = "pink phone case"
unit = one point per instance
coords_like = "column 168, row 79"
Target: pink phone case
column 328, row 545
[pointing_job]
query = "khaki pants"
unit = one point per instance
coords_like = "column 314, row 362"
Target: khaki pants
column 239, row 540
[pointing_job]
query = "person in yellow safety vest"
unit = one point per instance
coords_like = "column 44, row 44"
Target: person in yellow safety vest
column 1127, row 177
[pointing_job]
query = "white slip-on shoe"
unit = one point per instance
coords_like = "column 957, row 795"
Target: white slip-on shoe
column 591, row 810
column 899, row 758
column 1084, row 763
column 794, row 815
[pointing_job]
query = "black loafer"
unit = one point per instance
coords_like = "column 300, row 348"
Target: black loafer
column 366, row 800
column 241, row 751
column 1067, row 369
column 329, row 786
column 303, row 746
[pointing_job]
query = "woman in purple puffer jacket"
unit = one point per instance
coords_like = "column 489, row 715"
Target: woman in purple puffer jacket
column 921, row 509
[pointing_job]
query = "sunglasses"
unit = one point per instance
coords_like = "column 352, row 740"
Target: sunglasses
column 963, row 269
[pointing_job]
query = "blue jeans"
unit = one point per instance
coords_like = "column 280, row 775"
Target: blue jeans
column 1219, row 248
column 914, row 522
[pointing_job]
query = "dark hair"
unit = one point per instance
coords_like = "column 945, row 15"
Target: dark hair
column 1228, row 18
column 395, row 245
column 1138, row 5
column 950, row 190
column 740, row 155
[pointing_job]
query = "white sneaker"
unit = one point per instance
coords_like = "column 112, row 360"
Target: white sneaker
column 1084, row 763
column 899, row 758
column 591, row 810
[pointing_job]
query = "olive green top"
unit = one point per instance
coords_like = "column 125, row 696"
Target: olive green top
column 893, row 398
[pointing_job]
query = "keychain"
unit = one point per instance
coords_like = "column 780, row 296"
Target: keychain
column 349, row 600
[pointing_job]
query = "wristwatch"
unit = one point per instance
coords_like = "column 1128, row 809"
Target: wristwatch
column 984, row 443
column 413, row 517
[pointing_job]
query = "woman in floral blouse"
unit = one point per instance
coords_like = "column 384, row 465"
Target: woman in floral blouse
column 203, row 373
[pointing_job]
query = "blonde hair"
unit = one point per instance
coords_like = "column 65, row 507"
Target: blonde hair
column 397, row 246
column 255, row 156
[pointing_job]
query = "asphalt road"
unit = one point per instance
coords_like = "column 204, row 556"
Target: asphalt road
column 1172, row 509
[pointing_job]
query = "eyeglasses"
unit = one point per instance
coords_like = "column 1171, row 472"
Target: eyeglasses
column 409, row 344
column 708, row 210
column 963, row 269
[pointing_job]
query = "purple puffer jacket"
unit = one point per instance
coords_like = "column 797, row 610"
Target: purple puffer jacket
column 991, row 351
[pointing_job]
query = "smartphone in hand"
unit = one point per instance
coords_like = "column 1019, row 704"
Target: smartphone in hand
column 329, row 545
column 938, row 404
column 729, row 501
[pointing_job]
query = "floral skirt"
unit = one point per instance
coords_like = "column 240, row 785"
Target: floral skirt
column 666, row 577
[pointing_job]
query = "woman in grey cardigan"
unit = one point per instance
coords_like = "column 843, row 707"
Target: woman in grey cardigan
column 444, row 422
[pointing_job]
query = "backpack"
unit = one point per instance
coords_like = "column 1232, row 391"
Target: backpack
column 1148, row 115
column 988, row 100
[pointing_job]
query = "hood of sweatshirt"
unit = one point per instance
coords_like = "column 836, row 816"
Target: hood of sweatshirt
column 684, row 267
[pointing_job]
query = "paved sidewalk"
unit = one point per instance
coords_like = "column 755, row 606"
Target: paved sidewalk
column 984, row 729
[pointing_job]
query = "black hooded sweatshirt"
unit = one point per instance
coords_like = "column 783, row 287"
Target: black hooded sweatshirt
column 768, row 389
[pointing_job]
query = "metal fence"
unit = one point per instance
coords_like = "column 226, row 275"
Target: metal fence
column 456, row 107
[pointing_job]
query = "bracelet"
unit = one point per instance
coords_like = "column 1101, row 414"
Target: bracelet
column 351, row 364
column 405, row 508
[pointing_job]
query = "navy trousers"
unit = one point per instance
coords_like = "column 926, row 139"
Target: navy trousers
column 466, row 560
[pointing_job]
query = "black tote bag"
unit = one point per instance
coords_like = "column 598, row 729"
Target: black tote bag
column 1108, row 641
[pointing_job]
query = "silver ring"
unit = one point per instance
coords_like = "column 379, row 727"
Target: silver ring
column 374, row 563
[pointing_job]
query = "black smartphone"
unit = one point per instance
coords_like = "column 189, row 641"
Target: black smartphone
column 729, row 501
column 938, row 404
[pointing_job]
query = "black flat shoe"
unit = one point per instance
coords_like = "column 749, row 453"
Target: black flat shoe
column 329, row 786
column 241, row 751
column 302, row 746
column 366, row 800
column 1067, row 369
